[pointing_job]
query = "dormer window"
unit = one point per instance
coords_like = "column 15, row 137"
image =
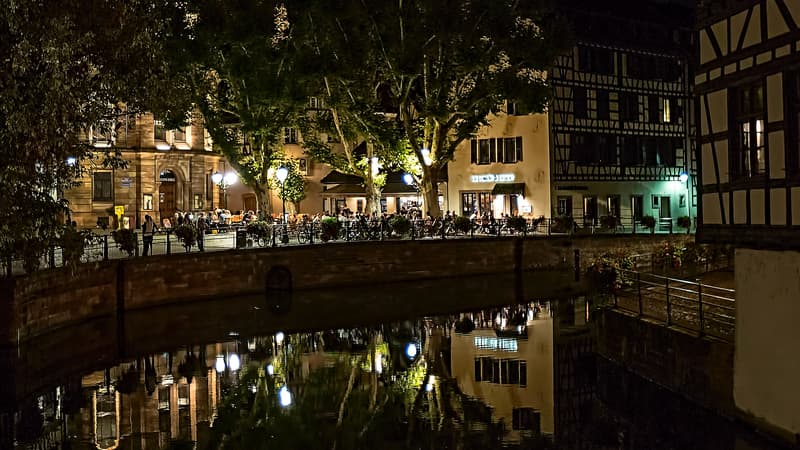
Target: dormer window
column 103, row 134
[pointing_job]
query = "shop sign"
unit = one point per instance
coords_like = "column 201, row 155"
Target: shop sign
column 493, row 178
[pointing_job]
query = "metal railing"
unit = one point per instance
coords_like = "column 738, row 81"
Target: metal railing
column 706, row 309
column 101, row 246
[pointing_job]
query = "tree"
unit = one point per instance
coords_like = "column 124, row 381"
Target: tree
column 62, row 70
column 244, row 84
column 294, row 187
column 347, row 129
column 444, row 67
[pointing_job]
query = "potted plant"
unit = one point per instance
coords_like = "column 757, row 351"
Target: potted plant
column 400, row 225
column 518, row 224
column 330, row 229
column 609, row 222
column 563, row 224
column 259, row 231
column 187, row 234
column 73, row 243
column 649, row 222
column 125, row 240
column 685, row 222
column 462, row 224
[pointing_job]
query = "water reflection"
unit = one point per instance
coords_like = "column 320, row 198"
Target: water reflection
column 517, row 376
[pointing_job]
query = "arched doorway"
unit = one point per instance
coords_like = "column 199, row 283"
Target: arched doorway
column 167, row 193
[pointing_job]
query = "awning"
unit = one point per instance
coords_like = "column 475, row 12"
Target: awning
column 336, row 177
column 509, row 189
column 398, row 189
column 344, row 190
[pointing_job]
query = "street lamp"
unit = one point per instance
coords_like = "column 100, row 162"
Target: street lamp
column 408, row 179
column 224, row 182
column 282, row 173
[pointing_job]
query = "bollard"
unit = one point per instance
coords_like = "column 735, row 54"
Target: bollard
column 136, row 247
column 52, row 257
column 105, row 247
column 169, row 246
column 311, row 233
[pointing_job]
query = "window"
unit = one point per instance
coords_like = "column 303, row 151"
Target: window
column 102, row 187
column 289, row 135
column 632, row 154
column 502, row 150
column 565, row 206
column 582, row 148
column 598, row 60
column 579, row 102
column 525, row 419
column 512, row 108
column 159, row 132
column 613, row 205
column 103, row 132
column 179, row 134
column 606, row 149
column 637, row 206
column 469, row 203
column 511, row 149
column 660, row 151
column 602, row 101
column 628, row 107
column 315, row 103
column 653, row 110
column 792, row 90
column 749, row 157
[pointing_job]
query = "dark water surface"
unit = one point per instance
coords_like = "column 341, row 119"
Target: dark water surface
column 463, row 363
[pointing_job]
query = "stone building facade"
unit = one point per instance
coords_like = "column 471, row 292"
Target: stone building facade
column 167, row 171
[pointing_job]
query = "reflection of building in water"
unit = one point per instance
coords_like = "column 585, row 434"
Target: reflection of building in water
column 149, row 402
column 507, row 362
column 142, row 404
column 574, row 373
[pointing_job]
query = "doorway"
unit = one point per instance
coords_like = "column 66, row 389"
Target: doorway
column 589, row 210
column 664, row 211
column 166, row 193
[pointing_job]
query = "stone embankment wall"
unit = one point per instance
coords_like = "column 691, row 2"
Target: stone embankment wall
column 36, row 303
column 700, row 368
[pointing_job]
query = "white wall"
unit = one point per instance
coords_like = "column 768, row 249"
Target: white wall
column 767, row 361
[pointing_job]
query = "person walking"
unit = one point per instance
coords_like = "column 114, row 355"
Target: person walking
column 202, row 226
column 148, row 230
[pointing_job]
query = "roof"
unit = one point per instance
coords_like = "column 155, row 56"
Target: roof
column 336, row 177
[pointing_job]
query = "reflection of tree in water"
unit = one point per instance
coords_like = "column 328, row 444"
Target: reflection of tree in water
column 357, row 399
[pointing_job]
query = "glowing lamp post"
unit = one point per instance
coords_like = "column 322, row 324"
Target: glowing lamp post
column 224, row 182
column 281, row 174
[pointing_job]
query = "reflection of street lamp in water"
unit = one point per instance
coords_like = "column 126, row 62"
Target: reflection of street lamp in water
column 684, row 177
column 281, row 174
column 224, row 182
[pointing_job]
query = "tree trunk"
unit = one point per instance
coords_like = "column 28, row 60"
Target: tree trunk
column 429, row 189
column 373, row 193
column 263, row 201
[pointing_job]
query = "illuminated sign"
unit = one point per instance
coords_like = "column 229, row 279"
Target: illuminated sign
column 493, row 343
column 493, row 178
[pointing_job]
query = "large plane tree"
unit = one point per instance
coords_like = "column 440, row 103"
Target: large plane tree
column 444, row 66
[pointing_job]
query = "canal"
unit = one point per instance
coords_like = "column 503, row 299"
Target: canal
column 455, row 363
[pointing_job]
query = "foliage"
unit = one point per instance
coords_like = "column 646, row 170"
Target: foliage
column 649, row 222
column 685, row 222
column 187, row 234
column 517, row 223
column 667, row 255
column 462, row 224
column 330, row 228
column 444, row 70
column 400, row 225
column 606, row 274
column 294, row 187
column 259, row 229
column 563, row 224
column 609, row 222
column 65, row 69
column 73, row 243
column 125, row 239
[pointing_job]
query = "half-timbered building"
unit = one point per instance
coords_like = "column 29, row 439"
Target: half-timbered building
column 748, row 113
column 620, row 118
